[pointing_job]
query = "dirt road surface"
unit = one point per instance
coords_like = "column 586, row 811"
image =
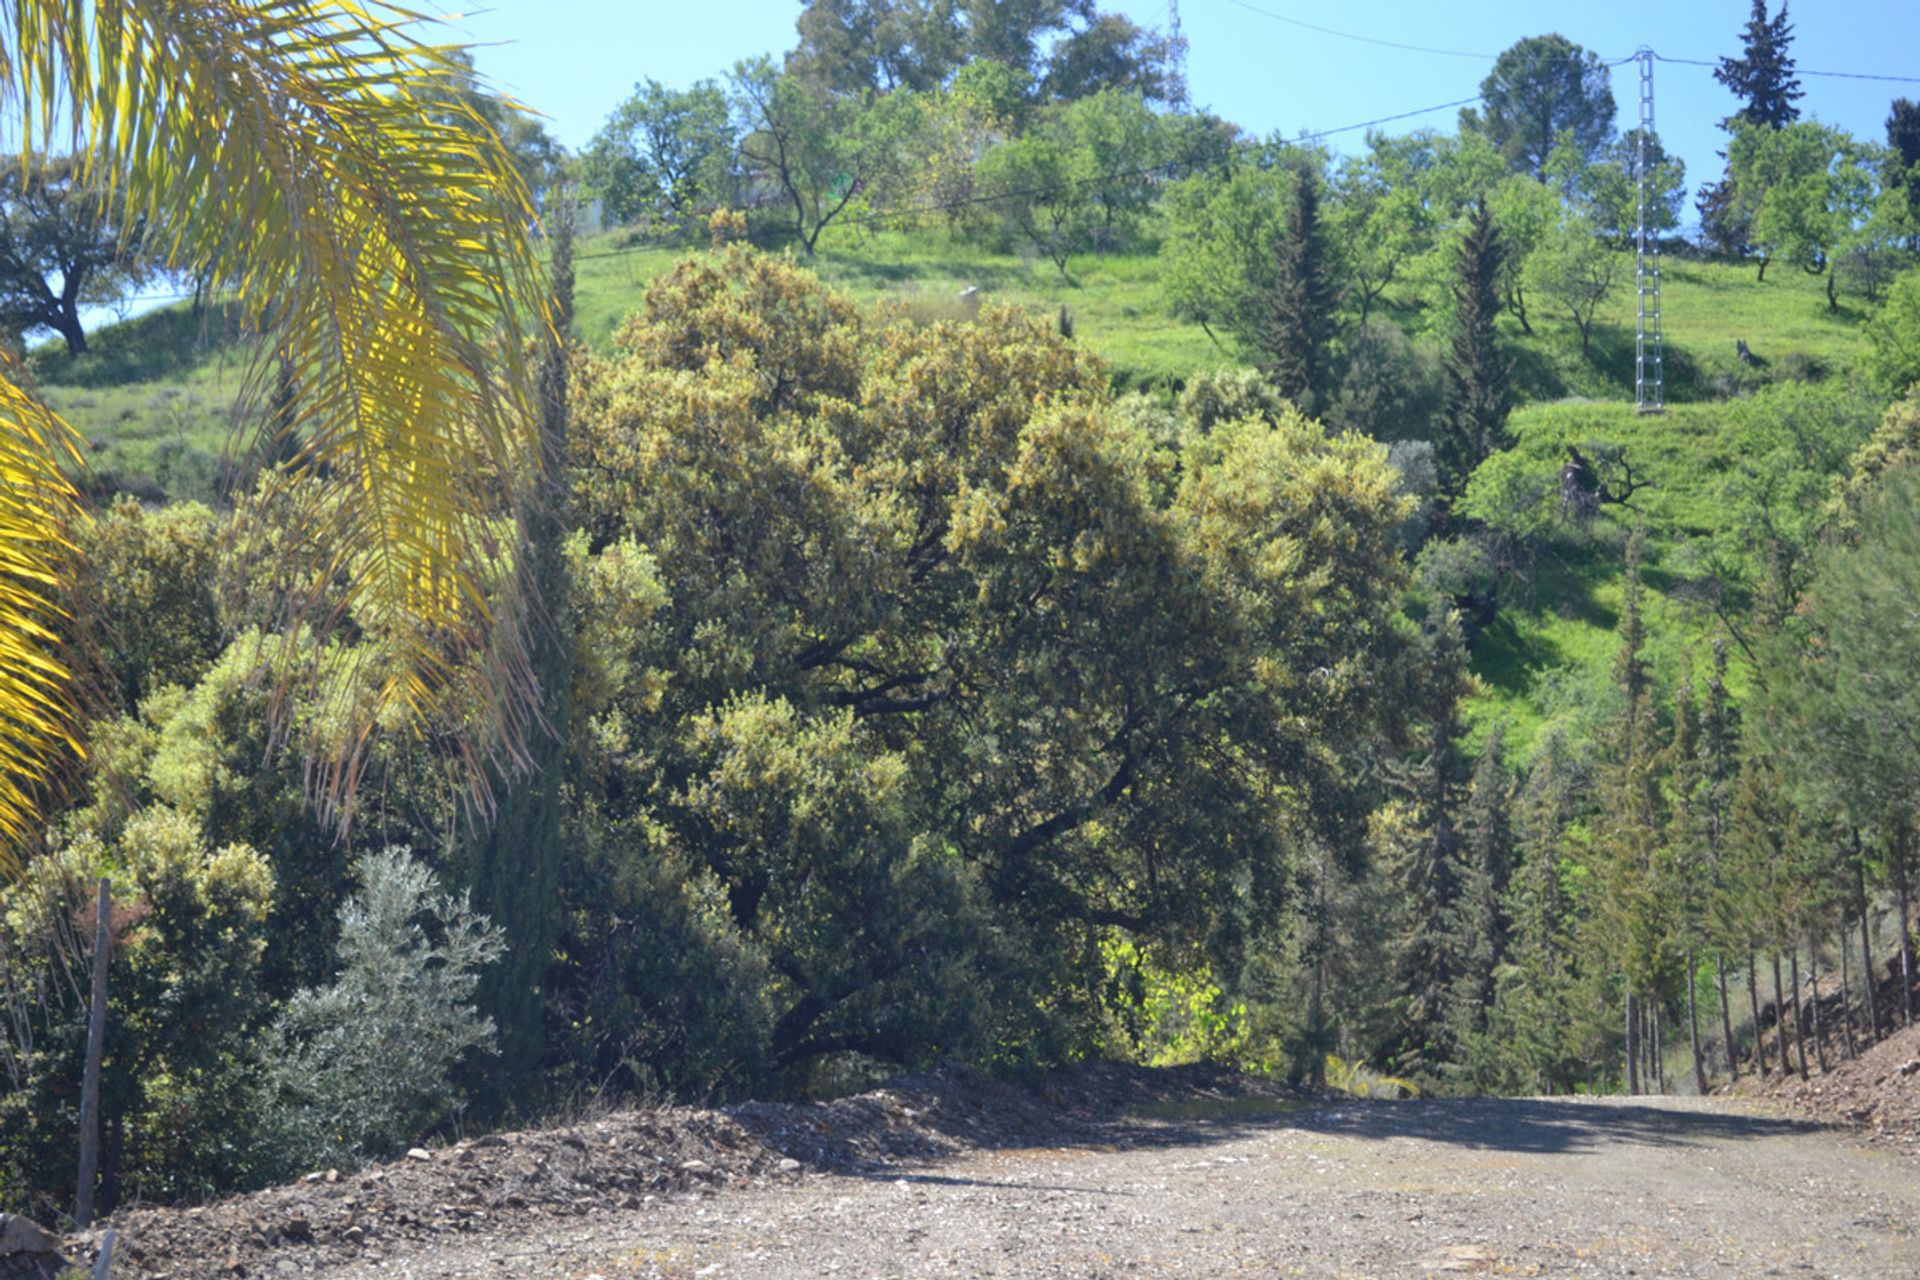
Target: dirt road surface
column 1541, row 1187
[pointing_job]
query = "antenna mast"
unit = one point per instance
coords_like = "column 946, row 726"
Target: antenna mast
column 1178, row 40
column 1649, row 383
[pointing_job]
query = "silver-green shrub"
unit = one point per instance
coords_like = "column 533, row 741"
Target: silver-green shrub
column 363, row 1067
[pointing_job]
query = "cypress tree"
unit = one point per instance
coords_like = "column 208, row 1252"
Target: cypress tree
column 1903, row 135
column 1767, row 832
column 1295, row 318
column 1478, row 924
column 1473, row 417
column 517, row 859
column 1687, row 863
column 1434, row 782
column 1629, row 916
column 1716, row 750
column 1533, row 986
column 1762, row 78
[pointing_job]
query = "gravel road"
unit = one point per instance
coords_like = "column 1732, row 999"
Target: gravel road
column 1542, row 1187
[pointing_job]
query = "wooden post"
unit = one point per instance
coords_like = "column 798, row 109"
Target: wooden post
column 90, row 1081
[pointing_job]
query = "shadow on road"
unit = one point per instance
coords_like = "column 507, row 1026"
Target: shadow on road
column 1541, row 1125
column 1538, row 1126
column 920, row 1122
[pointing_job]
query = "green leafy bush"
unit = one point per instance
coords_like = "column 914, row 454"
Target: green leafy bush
column 184, row 1010
column 1893, row 336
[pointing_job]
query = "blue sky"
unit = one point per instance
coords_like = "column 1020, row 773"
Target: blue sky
column 572, row 60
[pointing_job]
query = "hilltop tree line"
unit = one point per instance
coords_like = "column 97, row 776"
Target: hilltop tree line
column 1057, row 130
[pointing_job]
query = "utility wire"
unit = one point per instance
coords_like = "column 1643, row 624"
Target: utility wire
column 1489, row 57
column 1348, row 35
column 1834, row 75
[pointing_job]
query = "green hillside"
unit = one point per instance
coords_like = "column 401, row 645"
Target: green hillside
column 155, row 399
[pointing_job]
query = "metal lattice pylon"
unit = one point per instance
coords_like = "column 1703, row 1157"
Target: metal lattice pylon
column 1178, row 38
column 1649, row 380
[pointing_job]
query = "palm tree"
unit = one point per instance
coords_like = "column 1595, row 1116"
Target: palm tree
column 303, row 155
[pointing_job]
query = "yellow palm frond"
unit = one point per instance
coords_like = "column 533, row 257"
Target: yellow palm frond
column 38, row 507
column 312, row 156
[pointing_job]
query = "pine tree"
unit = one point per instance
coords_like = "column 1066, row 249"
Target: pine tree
column 1532, row 987
column 1628, row 925
column 1473, row 418
column 1766, row 836
column 1434, row 784
column 1295, row 319
column 1903, row 137
column 1763, row 77
column 1478, row 924
column 1686, row 868
column 517, row 859
column 1718, row 742
column 1486, row 846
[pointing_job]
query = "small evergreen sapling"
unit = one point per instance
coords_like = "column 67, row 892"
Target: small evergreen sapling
column 362, row 1067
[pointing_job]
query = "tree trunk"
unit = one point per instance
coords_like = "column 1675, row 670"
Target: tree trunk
column 90, row 1074
column 1633, row 1046
column 1753, row 998
column 1813, row 985
column 1693, row 1031
column 1833, row 299
column 1726, row 1019
column 1659, row 1072
column 1906, row 929
column 1846, row 994
column 1799, row 1010
column 67, row 325
column 1866, row 937
column 1780, row 1021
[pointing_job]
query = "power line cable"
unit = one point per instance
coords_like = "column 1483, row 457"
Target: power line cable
column 1489, row 57
column 1832, row 75
column 1349, row 35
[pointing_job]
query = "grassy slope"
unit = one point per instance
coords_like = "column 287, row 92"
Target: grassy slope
column 155, row 396
column 1114, row 301
column 1548, row 658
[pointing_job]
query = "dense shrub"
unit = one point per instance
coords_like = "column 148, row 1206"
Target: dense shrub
column 185, row 1013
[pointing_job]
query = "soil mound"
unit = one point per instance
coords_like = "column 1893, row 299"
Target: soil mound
column 630, row 1157
column 1876, row 1094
